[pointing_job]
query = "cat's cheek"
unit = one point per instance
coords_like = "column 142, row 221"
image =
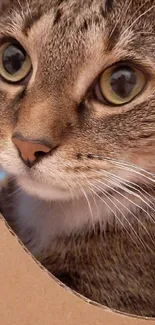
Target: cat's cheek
column 10, row 161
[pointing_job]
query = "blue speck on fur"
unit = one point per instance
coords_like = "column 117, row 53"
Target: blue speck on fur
column 2, row 175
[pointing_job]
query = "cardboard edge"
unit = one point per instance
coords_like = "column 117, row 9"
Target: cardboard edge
column 62, row 285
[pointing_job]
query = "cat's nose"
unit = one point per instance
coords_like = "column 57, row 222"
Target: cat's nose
column 31, row 152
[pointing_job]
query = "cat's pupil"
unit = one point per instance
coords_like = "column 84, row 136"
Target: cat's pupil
column 13, row 59
column 123, row 81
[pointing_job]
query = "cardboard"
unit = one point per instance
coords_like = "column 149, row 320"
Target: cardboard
column 29, row 295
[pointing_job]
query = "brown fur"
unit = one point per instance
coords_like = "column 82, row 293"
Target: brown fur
column 70, row 43
column 107, row 267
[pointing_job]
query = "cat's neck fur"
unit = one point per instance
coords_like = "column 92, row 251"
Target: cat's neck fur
column 39, row 222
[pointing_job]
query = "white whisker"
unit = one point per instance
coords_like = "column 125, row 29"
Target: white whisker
column 114, row 213
column 92, row 194
column 137, row 195
column 88, row 202
column 19, row 189
column 131, row 185
column 126, row 164
column 107, row 195
column 141, row 241
column 124, row 10
column 126, row 208
column 135, row 21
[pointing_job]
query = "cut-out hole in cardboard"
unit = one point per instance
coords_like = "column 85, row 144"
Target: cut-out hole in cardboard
column 63, row 278
column 30, row 295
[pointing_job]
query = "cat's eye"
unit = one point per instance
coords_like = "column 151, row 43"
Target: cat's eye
column 120, row 84
column 15, row 64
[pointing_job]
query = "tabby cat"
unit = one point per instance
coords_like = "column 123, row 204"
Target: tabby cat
column 77, row 138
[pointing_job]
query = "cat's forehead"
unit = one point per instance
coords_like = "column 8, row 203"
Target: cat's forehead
column 65, row 4
column 77, row 7
column 67, row 34
column 119, row 12
column 114, row 17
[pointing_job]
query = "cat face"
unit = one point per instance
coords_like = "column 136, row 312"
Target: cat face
column 77, row 93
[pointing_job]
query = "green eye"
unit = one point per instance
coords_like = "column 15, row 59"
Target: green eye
column 15, row 64
column 120, row 84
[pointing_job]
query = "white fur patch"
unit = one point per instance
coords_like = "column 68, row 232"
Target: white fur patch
column 56, row 218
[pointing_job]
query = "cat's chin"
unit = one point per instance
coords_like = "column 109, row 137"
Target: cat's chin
column 48, row 192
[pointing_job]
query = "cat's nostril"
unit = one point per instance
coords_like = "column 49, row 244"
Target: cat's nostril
column 31, row 151
column 40, row 154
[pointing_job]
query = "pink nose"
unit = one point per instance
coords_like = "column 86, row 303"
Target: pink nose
column 31, row 152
